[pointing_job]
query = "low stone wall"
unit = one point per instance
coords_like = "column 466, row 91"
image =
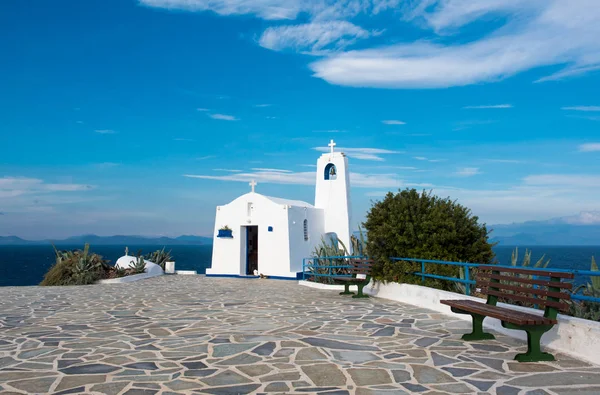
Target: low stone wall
column 129, row 279
column 577, row 337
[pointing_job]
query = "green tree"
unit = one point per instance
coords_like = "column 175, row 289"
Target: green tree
column 410, row 224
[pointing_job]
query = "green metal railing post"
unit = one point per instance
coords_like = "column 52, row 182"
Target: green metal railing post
column 422, row 272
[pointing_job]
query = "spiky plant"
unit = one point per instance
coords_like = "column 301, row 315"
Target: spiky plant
column 514, row 259
column 138, row 266
column 76, row 267
column 322, row 257
column 586, row 309
column 160, row 257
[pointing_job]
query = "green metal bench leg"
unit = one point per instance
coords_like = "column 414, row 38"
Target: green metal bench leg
column 534, row 348
column 360, row 293
column 346, row 290
column 478, row 333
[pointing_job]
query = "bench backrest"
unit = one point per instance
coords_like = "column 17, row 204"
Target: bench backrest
column 530, row 286
column 360, row 267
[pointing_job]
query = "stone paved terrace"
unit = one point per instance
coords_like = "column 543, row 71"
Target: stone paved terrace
column 190, row 334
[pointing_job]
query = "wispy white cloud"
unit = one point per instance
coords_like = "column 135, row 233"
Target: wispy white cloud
column 582, row 108
column 489, row 106
column 17, row 186
column 373, row 154
column 105, row 131
column 536, row 33
column 223, row 117
column 271, row 170
column 467, row 172
column 203, row 109
column 393, row 122
column 205, row 157
column 511, row 161
column 262, row 105
column 590, row 147
column 270, row 117
column 229, row 170
column 79, row 122
column 305, row 178
column 183, row 139
column 423, row 158
column 330, row 131
column 314, row 36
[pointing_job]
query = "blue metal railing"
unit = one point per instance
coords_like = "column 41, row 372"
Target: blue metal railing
column 310, row 268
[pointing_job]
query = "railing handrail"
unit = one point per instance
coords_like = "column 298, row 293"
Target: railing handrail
column 467, row 265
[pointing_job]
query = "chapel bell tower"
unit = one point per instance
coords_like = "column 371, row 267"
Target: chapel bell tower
column 332, row 194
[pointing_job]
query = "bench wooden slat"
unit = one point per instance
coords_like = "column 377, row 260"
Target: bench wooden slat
column 524, row 280
column 525, row 290
column 501, row 313
column 540, row 302
column 352, row 279
column 533, row 272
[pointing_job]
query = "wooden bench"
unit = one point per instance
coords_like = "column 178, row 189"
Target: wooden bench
column 504, row 283
column 360, row 269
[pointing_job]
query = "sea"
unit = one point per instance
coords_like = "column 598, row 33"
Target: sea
column 26, row 265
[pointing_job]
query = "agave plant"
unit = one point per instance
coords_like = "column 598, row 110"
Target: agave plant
column 527, row 259
column 76, row 268
column 139, row 265
column 160, row 257
column 327, row 265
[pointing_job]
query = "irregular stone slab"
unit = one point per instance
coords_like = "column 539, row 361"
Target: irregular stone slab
column 194, row 365
column 183, row 385
column 441, row 360
column 142, row 366
column 426, row 341
column 354, row 356
column 310, row 354
column 481, row 385
column 77, row 390
column 265, row 349
column 388, row 331
column 459, row 372
column 236, row 390
column 337, row 345
column 243, row 359
column 225, row 350
column 530, row 367
column 199, row 372
column 94, row 368
column 287, row 376
column 68, row 382
column 507, row 390
column 325, row 374
column 577, row 391
column 400, row 376
column 109, row 388
column 366, row 377
column 225, row 378
column 492, row 363
column 34, row 386
column 414, row 387
column 428, row 375
column 456, row 388
column 139, row 391
column 556, row 379
column 489, row 347
column 7, row 361
column 277, row 387
column 255, row 370
column 537, row 392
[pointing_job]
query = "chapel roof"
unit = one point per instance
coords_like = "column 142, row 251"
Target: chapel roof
column 296, row 203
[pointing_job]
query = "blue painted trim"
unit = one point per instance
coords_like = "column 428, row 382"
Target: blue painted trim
column 232, row 276
column 224, row 233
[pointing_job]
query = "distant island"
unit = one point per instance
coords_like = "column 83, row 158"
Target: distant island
column 577, row 230
column 111, row 240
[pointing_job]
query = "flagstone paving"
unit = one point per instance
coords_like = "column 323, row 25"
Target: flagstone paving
column 191, row 334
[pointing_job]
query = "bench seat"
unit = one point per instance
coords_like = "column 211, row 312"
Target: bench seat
column 501, row 313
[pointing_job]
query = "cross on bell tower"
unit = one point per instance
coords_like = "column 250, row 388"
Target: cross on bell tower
column 253, row 184
column 331, row 145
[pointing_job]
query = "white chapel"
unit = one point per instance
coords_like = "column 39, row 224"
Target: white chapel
column 257, row 234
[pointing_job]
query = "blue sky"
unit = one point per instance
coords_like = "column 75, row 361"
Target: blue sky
column 107, row 107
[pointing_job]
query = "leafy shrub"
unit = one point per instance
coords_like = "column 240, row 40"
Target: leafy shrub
column 421, row 225
column 76, row 268
column 138, row 266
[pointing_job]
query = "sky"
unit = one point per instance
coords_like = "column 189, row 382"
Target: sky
column 141, row 116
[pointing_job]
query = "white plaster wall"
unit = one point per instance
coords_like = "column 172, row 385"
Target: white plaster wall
column 129, row 279
column 334, row 196
column 298, row 247
column 229, row 255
